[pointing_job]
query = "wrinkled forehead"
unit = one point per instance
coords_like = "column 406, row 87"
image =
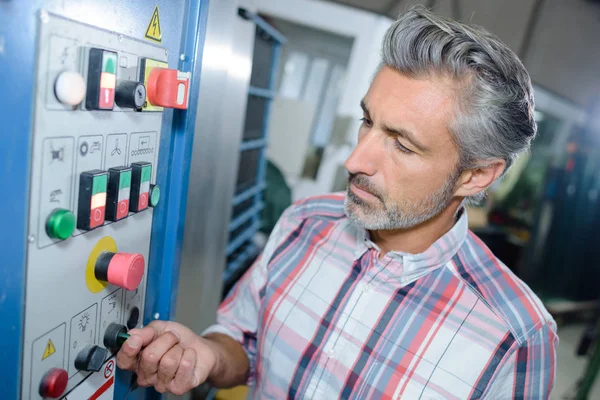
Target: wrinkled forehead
column 426, row 106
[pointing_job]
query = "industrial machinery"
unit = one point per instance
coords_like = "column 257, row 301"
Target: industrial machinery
column 98, row 112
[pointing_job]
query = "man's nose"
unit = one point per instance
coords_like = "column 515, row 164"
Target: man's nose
column 363, row 159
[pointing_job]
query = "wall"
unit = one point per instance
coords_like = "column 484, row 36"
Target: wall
column 563, row 54
column 366, row 28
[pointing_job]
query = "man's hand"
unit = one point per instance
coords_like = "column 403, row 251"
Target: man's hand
column 168, row 356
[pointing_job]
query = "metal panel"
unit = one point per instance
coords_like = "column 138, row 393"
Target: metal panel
column 18, row 51
column 219, row 122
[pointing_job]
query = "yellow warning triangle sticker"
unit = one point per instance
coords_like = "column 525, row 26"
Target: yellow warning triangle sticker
column 153, row 31
column 49, row 350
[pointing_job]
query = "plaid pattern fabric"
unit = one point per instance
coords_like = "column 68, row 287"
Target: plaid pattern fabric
column 321, row 316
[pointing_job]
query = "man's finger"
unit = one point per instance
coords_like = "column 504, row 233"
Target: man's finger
column 168, row 366
column 152, row 354
column 127, row 356
column 185, row 378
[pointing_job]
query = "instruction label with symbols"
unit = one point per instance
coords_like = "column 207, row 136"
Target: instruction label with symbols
column 47, row 352
column 57, row 174
column 111, row 310
column 99, row 386
column 83, row 332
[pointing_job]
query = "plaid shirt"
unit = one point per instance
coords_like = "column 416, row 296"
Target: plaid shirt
column 321, row 316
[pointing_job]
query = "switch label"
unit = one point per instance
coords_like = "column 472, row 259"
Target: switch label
column 83, row 333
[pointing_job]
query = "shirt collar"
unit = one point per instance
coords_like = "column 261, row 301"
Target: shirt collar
column 411, row 265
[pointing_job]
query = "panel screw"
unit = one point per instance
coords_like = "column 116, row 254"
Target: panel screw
column 120, row 38
column 44, row 17
column 166, row 52
column 31, row 238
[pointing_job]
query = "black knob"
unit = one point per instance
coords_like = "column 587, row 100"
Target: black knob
column 130, row 94
column 90, row 358
column 134, row 318
column 114, row 337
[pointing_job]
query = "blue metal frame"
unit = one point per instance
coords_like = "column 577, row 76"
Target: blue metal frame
column 16, row 108
column 168, row 226
column 183, row 26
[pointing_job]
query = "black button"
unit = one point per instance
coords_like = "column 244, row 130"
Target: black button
column 134, row 318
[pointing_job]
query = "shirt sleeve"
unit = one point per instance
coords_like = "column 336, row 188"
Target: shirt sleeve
column 529, row 370
column 238, row 314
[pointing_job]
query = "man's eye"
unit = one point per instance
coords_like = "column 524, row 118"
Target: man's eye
column 367, row 121
column 402, row 148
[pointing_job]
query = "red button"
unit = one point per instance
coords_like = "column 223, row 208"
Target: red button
column 54, row 383
column 168, row 88
column 126, row 270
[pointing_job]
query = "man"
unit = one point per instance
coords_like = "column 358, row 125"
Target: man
column 383, row 292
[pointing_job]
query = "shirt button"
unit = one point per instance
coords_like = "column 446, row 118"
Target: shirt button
column 331, row 353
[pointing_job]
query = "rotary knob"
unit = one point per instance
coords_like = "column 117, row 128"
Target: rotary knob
column 91, row 358
column 120, row 269
column 130, row 94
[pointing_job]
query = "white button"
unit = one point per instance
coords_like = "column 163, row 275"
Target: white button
column 69, row 88
column 180, row 93
column 331, row 353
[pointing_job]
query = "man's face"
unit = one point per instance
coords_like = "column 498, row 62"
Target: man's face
column 404, row 169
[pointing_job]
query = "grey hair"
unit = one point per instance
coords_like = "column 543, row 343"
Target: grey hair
column 495, row 116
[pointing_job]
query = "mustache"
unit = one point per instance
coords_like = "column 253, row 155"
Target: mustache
column 363, row 183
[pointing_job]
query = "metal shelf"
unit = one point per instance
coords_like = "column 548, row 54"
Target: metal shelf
column 246, row 215
column 253, row 144
column 260, row 92
column 246, row 194
column 238, row 241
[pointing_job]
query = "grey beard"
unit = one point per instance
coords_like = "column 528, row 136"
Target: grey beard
column 398, row 216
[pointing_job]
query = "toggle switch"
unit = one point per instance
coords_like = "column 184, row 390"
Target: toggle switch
column 119, row 188
column 54, row 383
column 140, row 186
column 168, row 88
column 130, row 94
column 114, row 337
column 101, row 79
column 69, row 88
column 91, row 358
column 120, row 269
column 92, row 199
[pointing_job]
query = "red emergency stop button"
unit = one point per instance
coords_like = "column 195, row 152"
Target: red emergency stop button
column 54, row 383
column 168, row 88
column 120, row 269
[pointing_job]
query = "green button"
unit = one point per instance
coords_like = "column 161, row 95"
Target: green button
column 154, row 195
column 146, row 173
column 99, row 184
column 61, row 224
column 125, row 180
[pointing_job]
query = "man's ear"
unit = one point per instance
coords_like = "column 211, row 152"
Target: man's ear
column 478, row 179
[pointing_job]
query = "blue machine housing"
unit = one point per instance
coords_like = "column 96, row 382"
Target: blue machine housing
column 183, row 25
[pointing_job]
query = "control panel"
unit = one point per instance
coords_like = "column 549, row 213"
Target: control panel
column 99, row 104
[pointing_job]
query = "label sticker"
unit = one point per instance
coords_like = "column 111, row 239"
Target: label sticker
column 146, row 66
column 49, row 350
column 99, row 386
column 153, row 31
